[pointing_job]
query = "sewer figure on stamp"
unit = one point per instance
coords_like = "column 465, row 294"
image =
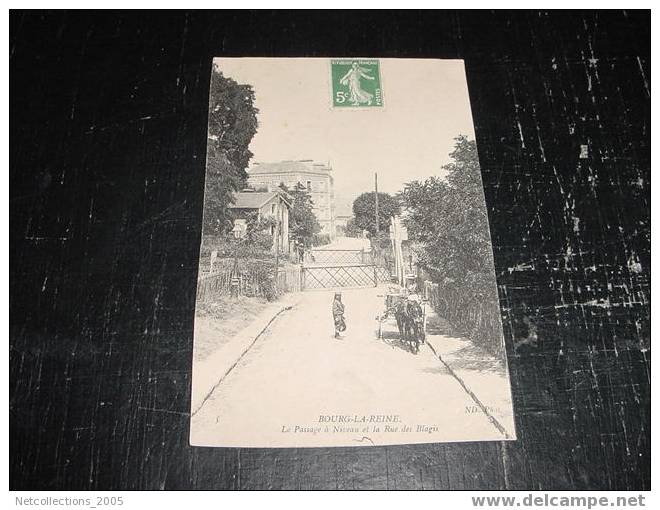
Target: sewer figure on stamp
column 352, row 78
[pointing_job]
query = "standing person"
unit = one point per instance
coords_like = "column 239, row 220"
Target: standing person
column 301, row 251
column 338, row 314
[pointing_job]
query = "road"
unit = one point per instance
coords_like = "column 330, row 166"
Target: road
column 348, row 243
column 297, row 372
column 342, row 251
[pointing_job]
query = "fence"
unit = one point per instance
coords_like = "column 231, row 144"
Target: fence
column 250, row 283
column 327, row 277
column 289, row 279
column 478, row 319
column 383, row 257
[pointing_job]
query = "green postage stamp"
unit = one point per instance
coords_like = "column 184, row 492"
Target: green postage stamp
column 356, row 83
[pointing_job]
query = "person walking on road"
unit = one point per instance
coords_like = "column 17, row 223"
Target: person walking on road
column 338, row 314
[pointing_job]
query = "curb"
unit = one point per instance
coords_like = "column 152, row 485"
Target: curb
column 465, row 387
column 241, row 355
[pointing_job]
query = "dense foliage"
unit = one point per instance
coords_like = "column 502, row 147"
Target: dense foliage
column 321, row 239
column 447, row 219
column 232, row 124
column 256, row 244
column 352, row 230
column 303, row 224
column 448, row 229
column 250, row 256
column 364, row 212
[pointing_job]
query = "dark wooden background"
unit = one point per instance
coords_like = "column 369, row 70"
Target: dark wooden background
column 107, row 150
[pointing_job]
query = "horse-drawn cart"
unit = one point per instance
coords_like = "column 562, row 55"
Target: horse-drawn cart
column 410, row 315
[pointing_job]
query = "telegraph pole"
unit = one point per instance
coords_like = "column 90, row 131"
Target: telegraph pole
column 277, row 247
column 374, row 244
column 376, row 188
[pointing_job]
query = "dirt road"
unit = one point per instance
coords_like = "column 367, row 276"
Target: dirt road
column 299, row 386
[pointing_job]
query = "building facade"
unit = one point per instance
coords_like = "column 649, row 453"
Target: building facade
column 274, row 204
column 316, row 177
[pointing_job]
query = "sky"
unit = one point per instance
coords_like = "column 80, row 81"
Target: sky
column 426, row 105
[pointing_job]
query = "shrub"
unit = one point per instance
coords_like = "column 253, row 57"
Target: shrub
column 321, row 239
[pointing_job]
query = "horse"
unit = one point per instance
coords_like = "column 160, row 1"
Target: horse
column 405, row 313
column 416, row 319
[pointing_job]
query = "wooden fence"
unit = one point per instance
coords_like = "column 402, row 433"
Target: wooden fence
column 478, row 319
column 250, row 283
column 289, row 279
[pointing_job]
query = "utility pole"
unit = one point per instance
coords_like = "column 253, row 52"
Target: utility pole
column 235, row 282
column 376, row 188
column 277, row 247
column 374, row 244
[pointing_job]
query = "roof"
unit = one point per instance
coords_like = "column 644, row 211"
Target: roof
column 299, row 166
column 255, row 199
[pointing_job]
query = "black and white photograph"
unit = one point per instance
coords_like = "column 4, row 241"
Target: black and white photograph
column 346, row 291
column 339, row 248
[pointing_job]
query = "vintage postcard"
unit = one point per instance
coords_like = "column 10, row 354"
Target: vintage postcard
column 346, row 292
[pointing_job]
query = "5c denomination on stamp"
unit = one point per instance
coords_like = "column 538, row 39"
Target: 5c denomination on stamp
column 356, row 83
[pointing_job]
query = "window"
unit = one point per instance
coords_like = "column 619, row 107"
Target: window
column 309, row 185
column 272, row 208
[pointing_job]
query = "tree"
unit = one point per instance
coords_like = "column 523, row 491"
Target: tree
column 352, row 230
column 364, row 211
column 258, row 236
column 447, row 219
column 303, row 223
column 448, row 226
column 255, row 244
column 232, row 124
